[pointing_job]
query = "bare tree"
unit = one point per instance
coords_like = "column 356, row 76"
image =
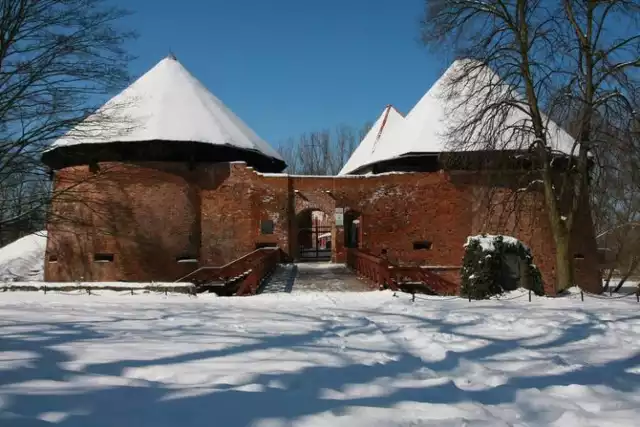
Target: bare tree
column 616, row 207
column 57, row 59
column 321, row 152
column 529, row 56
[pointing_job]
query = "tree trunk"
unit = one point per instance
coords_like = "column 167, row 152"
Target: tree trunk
column 564, row 264
column 608, row 281
column 632, row 268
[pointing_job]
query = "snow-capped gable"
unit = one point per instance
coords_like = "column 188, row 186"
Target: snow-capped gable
column 426, row 128
column 388, row 120
column 168, row 104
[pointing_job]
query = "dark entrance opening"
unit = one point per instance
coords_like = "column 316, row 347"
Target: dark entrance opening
column 314, row 236
column 352, row 229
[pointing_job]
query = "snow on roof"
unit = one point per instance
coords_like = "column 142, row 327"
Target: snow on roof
column 425, row 129
column 388, row 120
column 24, row 259
column 167, row 103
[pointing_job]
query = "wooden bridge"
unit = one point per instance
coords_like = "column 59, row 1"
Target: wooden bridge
column 261, row 272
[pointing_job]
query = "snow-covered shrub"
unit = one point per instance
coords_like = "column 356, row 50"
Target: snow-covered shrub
column 485, row 267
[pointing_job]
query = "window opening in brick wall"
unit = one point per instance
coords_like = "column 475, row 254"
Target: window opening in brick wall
column 94, row 167
column 53, row 258
column 578, row 256
column 103, row 257
column 266, row 245
column 266, row 226
column 187, row 259
column 421, row 245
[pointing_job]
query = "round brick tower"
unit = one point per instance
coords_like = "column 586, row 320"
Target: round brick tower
column 128, row 179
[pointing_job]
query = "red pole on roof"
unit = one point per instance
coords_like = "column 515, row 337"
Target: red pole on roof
column 384, row 123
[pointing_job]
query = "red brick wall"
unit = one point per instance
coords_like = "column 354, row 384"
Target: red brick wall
column 145, row 216
column 160, row 211
column 522, row 215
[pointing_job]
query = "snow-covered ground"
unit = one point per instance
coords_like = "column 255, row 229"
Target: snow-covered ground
column 317, row 359
column 114, row 286
column 23, row 260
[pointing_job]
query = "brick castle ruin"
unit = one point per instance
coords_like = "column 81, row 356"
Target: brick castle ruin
column 178, row 182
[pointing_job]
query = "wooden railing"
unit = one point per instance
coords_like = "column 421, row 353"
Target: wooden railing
column 260, row 271
column 242, row 276
column 383, row 274
column 420, row 280
column 372, row 269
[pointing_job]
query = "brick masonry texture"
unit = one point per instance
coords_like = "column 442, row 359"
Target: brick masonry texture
column 149, row 215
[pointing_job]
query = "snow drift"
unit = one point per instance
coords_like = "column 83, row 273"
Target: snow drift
column 23, row 260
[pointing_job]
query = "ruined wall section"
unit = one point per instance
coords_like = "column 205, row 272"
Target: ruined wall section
column 396, row 210
column 235, row 203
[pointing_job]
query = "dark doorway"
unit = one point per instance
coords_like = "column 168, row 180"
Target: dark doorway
column 314, row 236
column 352, row 229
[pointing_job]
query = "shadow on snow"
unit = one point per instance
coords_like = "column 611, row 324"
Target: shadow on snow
column 297, row 394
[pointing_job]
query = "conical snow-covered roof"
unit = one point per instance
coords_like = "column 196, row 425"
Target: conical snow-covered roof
column 426, row 129
column 388, row 120
column 167, row 104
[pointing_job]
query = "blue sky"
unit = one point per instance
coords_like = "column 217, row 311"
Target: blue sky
column 291, row 66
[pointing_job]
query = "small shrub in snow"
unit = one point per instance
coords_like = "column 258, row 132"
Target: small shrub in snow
column 484, row 267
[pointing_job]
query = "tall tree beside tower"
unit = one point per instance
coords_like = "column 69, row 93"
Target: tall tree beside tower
column 573, row 59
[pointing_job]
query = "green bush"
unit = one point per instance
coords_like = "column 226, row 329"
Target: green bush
column 484, row 266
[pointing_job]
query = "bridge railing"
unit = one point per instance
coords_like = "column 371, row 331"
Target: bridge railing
column 381, row 273
column 372, row 269
column 239, row 277
column 420, row 280
column 261, row 269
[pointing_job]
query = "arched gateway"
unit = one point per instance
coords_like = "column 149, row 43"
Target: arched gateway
column 314, row 235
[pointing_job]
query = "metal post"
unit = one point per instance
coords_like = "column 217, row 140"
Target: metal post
column 582, row 295
column 638, row 295
column 529, row 295
column 413, row 297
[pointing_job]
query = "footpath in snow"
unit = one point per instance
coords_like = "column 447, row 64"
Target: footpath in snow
column 316, row 359
column 313, row 277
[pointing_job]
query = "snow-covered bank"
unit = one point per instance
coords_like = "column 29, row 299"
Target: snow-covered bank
column 317, row 359
column 23, row 260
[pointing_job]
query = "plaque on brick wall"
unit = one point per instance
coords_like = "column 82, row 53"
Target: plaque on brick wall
column 339, row 217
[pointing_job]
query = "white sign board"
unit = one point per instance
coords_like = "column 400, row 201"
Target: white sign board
column 339, row 219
